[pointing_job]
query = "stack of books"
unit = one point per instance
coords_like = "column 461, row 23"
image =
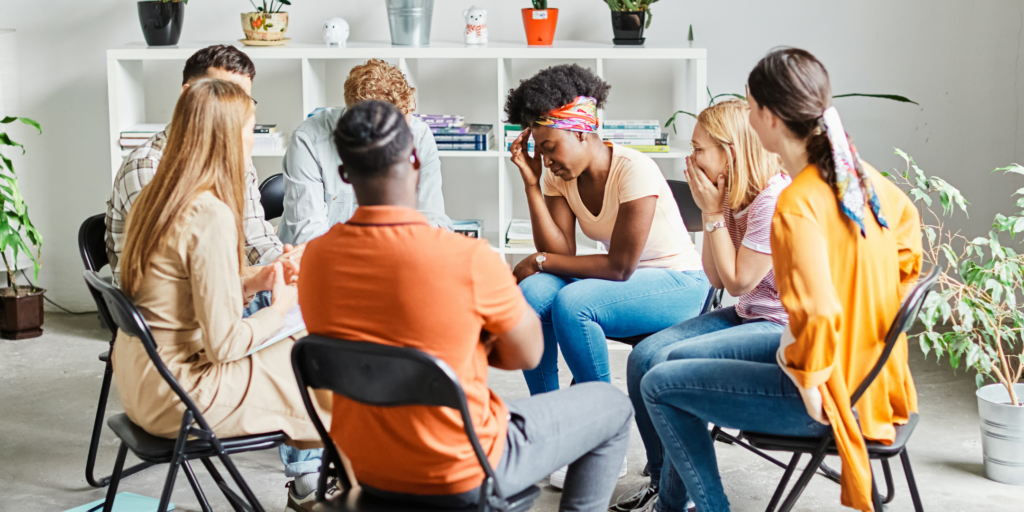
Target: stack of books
column 268, row 139
column 138, row 135
column 441, row 120
column 473, row 137
column 519, row 234
column 643, row 136
column 512, row 132
column 473, row 228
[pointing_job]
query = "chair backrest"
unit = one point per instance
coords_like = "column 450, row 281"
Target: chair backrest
column 905, row 319
column 128, row 319
column 382, row 376
column 687, row 206
column 272, row 196
column 92, row 242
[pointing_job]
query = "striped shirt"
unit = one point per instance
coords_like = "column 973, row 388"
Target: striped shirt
column 261, row 243
column 751, row 228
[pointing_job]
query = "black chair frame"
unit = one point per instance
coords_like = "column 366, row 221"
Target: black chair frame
column 193, row 442
column 386, row 376
column 820, row 447
column 272, row 196
column 93, row 249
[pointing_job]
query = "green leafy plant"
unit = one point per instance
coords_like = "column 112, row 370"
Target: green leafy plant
column 975, row 319
column 540, row 5
column 170, row 1
column 633, row 6
column 15, row 225
column 672, row 120
column 270, row 9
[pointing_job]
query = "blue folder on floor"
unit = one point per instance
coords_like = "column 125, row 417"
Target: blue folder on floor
column 126, row 502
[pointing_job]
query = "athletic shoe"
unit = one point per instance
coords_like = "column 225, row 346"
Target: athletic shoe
column 305, row 503
column 631, row 500
column 557, row 479
column 649, row 506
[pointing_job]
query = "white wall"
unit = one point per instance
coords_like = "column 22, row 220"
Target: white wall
column 959, row 60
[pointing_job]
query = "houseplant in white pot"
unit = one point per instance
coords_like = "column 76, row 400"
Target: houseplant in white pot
column 976, row 320
column 21, row 307
column 268, row 22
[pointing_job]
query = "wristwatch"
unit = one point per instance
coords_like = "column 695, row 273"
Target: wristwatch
column 541, row 258
column 711, row 226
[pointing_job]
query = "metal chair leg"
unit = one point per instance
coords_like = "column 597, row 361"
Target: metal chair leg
column 890, row 488
column 97, row 430
column 911, row 482
column 254, row 504
column 115, row 478
column 175, row 462
column 805, row 477
column 196, row 488
column 220, row 482
column 784, row 482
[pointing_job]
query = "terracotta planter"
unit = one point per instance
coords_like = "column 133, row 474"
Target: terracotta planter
column 540, row 26
column 21, row 317
column 259, row 26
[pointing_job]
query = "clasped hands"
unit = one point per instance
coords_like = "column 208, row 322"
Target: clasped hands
column 280, row 278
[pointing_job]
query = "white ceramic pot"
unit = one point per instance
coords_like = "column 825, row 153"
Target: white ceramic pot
column 1002, row 433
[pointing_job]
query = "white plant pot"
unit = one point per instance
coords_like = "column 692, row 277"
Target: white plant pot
column 1002, row 433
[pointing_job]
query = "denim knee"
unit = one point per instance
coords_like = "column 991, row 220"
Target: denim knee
column 540, row 290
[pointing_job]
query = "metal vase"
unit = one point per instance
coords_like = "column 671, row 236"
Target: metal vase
column 410, row 21
column 1002, row 434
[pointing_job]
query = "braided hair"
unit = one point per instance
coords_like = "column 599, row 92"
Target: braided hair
column 371, row 137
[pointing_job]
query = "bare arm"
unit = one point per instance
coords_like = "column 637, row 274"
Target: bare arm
column 554, row 224
column 707, row 257
column 520, row 348
column 739, row 272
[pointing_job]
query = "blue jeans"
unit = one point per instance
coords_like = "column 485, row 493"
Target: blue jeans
column 260, row 301
column 698, row 385
column 576, row 315
column 720, row 334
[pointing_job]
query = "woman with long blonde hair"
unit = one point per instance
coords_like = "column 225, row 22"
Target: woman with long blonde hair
column 736, row 184
column 181, row 267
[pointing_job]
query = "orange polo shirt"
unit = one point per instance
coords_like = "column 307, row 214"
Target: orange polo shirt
column 388, row 277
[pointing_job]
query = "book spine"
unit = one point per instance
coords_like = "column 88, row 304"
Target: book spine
column 449, row 131
column 461, row 138
column 461, row 146
column 632, row 124
column 632, row 134
column 651, row 149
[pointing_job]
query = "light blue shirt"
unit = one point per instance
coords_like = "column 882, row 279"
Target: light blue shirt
column 315, row 198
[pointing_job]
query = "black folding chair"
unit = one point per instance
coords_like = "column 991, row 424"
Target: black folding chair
column 819, row 447
column 272, row 196
column 93, row 248
column 384, row 376
column 193, row 442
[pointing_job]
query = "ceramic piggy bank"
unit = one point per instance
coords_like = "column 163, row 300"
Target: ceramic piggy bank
column 335, row 31
column 476, row 25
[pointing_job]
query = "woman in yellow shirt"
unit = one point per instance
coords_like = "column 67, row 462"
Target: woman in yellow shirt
column 846, row 244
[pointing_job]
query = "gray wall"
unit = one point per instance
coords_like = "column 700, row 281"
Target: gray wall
column 959, row 60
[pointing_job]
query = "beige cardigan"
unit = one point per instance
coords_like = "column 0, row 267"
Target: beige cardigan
column 191, row 297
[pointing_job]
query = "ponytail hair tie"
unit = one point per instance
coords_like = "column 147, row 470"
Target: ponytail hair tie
column 849, row 193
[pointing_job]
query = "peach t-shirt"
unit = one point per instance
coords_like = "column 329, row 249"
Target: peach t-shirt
column 633, row 176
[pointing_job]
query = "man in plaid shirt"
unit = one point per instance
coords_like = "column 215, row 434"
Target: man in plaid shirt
column 262, row 245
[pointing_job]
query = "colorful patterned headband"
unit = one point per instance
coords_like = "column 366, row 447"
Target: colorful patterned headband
column 580, row 115
column 848, row 191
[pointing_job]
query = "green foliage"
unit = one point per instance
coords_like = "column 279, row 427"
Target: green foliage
column 633, row 6
column 540, row 5
column 975, row 320
column 270, row 9
column 169, row 1
column 15, row 225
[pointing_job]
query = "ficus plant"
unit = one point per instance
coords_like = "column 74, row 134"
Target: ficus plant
column 15, row 225
column 633, row 6
column 270, row 9
column 975, row 320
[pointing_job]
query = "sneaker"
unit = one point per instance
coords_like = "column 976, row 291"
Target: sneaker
column 305, row 503
column 557, row 479
column 631, row 500
column 691, row 506
column 649, row 506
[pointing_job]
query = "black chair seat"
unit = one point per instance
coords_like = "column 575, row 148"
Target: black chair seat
column 105, row 356
column 357, row 501
column 876, row 450
column 631, row 340
column 158, row 450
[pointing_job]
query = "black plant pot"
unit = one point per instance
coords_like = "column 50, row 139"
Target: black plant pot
column 161, row 22
column 628, row 27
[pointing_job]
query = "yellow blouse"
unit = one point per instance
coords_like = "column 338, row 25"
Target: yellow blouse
column 842, row 292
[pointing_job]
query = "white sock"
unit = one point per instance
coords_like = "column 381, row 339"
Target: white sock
column 305, row 484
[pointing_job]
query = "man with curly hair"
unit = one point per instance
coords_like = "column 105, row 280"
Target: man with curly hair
column 315, row 196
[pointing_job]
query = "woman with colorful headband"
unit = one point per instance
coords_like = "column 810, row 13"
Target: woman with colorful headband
column 651, row 278
column 846, row 246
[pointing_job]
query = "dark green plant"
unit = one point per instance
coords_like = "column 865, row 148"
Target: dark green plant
column 540, row 5
column 169, row 1
column 672, row 120
column 15, row 225
column 982, row 324
column 271, row 8
column 633, row 6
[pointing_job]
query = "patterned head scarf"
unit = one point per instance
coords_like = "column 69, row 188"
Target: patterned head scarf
column 848, row 191
column 580, row 115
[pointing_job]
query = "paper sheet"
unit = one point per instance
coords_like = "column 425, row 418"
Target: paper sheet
column 293, row 323
column 125, row 502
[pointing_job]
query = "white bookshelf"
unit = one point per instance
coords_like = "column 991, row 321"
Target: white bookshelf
column 687, row 67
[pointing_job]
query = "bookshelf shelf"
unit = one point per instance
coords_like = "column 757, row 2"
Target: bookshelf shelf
column 310, row 80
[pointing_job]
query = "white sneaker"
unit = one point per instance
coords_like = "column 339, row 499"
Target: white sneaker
column 557, row 479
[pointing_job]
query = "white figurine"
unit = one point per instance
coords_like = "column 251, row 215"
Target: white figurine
column 476, row 25
column 335, row 31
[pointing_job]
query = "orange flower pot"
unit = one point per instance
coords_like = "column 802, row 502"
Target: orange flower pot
column 540, row 26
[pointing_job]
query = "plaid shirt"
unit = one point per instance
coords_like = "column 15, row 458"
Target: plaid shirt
column 261, row 243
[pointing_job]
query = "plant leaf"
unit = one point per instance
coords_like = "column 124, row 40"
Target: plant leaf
column 894, row 97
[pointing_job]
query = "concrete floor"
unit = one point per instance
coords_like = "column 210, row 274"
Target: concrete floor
column 50, row 385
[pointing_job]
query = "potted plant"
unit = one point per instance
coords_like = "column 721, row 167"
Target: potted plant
column 161, row 21
column 267, row 23
column 629, row 19
column 540, row 23
column 976, row 320
column 21, row 307
column 409, row 21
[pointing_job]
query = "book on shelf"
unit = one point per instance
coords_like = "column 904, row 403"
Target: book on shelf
column 651, row 149
column 661, row 141
column 127, row 143
column 473, row 228
column 652, row 124
column 143, row 131
column 477, row 133
column 463, row 146
column 519, row 233
column 630, row 134
column 265, row 128
column 441, row 121
column 512, row 132
column 268, row 142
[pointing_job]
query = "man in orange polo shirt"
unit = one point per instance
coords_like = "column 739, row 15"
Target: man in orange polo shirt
column 386, row 276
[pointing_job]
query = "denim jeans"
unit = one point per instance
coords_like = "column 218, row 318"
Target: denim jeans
column 720, row 334
column 585, row 426
column 577, row 315
column 698, row 385
column 260, row 301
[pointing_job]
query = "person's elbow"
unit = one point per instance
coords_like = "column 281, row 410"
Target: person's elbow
column 739, row 289
column 619, row 271
column 534, row 349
